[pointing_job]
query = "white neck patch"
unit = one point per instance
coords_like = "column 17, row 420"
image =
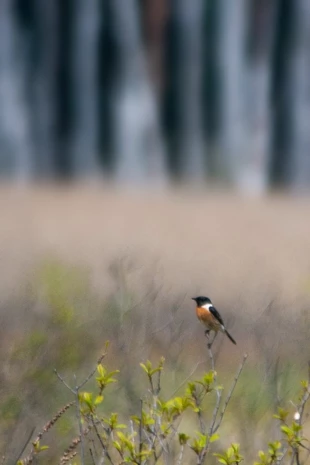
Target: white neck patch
column 207, row 306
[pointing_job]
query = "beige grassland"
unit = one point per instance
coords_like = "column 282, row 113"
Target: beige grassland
column 231, row 247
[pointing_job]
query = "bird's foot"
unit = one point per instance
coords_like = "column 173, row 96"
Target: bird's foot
column 207, row 333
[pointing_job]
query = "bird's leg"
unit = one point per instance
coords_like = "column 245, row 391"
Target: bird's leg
column 207, row 333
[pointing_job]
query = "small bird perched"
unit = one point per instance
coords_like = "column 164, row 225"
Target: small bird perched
column 210, row 317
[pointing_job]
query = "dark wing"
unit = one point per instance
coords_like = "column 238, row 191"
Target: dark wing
column 216, row 315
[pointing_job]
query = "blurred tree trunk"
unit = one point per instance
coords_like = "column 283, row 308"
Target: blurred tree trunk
column 231, row 62
column 15, row 149
column 155, row 22
column 300, row 96
column 45, row 86
column 255, row 162
column 85, row 74
column 137, row 139
column 281, row 98
column 189, row 17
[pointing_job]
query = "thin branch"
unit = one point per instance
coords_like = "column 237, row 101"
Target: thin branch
column 79, row 419
column 162, row 327
column 91, row 374
column 64, row 382
column 209, row 345
column 25, row 445
column 215, row 412
column 105, row 450
column 167, row 440
column 188, row 377
column 158, row 383
column 140, row 429
column 92, row 455
column 295, row 456
column 245, row 356
column 304, row 399
column 180, row 458
column 132, row 430
column 198, row 400
column 211, row 358
column 283, row 455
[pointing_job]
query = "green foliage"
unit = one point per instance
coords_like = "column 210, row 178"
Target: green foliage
column 104, row 378
column 230, row 456
column 153, row 435
column 272, row 456
column 62, row 335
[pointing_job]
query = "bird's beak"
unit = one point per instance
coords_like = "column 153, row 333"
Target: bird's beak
column 193, row 298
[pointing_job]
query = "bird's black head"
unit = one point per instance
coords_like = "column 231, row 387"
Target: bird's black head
column 201, row 300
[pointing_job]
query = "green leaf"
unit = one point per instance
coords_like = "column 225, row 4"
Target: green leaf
column 286, row 429
column 43, row 448
column 235, row 447
column 183, row 438
column 230, row 452
column 282, row 414
column 191, row 388
column 261, row 455
column 101, row 370
column 117, row 446
column 144, row 368
column 221, row 460
column 214, row 437
column 296, row 427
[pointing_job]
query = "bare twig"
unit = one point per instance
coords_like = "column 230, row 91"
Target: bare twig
column 188, row 377
column 198, row 399
column 158, row 383
column 92, row 455
column 283, row 456
column 91, row 374
column 211, row 358
column 245, row 356
column 180, row 458
column 140, row 429
column 104, row 448
column 162, row 328
column 209, row 345
column 79, row 419
column 24, row 446
column 215, row 412
column 63, row 381
column 295, row 456
column 75, row 392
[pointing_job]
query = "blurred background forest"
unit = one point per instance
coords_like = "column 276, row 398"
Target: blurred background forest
column 149, row 91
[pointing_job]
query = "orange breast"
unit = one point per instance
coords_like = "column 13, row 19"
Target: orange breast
column 206, row 318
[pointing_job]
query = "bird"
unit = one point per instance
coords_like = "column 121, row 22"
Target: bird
column 210, row 317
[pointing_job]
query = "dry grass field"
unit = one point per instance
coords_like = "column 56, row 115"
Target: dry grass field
column 231, row 247
column 83, row 264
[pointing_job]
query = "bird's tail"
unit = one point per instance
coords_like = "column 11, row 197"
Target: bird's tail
column 230, row 337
